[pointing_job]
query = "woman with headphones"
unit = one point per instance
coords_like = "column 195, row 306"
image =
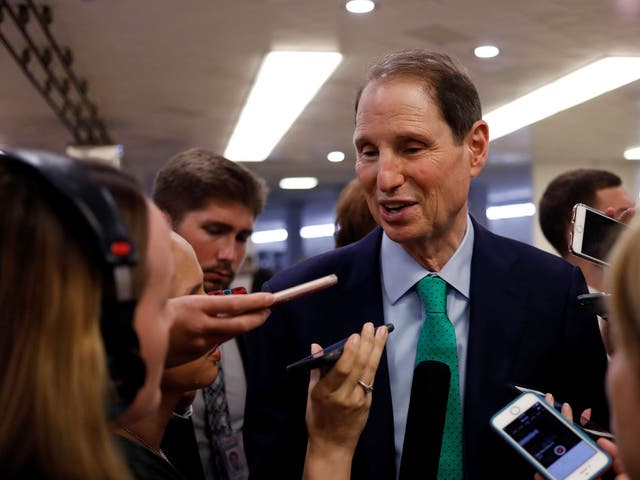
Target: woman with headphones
column 70, row 274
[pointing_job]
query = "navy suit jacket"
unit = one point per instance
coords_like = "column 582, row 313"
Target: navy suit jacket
column 525, row 328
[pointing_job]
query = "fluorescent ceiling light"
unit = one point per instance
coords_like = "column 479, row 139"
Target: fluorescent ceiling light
column 285, row 84
column 335, row 156
column 511, row 211
column 269, row 236
column 298, row 183
column 632, row 153
column 318, row 231
column 571, row 90
column 111, row 154
column 360, row 6
column 486, row 51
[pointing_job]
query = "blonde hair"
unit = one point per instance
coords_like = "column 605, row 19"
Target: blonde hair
column 622, row 283
column 53, row 371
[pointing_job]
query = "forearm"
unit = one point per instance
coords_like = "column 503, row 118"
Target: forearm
column 327, row 462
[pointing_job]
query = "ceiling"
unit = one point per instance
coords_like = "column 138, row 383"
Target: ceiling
column 170, row 75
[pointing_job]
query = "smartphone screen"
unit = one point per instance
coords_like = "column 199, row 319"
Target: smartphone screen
column 593, row 234
column 600, row 233
column 541, row 434
column 554, row 445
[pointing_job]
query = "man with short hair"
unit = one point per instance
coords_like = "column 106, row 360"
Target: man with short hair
column 495, row 311
column 212, row 202
column 599, row 189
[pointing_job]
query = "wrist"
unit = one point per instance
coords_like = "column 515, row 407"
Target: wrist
column 328, row 460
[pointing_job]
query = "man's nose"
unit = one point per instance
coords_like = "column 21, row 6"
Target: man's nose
column 390, row 171
column 227, row 250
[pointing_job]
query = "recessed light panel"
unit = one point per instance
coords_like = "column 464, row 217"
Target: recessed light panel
column 298, row 183
column 486, row 51
column 571, row 90
column 360, row 6
column 335, row 156
column 285, row 84
column 632, row 153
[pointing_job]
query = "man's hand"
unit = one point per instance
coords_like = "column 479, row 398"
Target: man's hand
column 625, row 216
column 204, row 321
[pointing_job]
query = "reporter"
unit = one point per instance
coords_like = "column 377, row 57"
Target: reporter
column 338, row 405
column 623, row 375
column 54, row 375
column 141, row 440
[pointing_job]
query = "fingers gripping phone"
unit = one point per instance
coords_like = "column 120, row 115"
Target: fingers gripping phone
column 555, row 447
column 593, row 233
column 325, row 357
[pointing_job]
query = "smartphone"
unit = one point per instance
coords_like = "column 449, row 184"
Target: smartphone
column 325, row 357
column 596, row 302
column 593, row 233
column 555, row 447
column 592, row 429
column 305, row 288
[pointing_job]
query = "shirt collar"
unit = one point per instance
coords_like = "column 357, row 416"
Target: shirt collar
column 400, row 271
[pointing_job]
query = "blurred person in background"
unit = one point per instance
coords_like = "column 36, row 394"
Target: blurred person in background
column 353, row 218
column 599, row 189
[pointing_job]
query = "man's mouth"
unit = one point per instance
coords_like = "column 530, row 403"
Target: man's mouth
column 394, row 207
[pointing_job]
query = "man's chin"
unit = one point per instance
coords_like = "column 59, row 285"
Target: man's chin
column 210, row 286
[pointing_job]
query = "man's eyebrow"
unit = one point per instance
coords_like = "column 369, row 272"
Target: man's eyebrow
column 217, row 224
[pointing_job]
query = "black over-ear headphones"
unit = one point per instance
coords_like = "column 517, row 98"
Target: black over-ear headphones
column 85, row 205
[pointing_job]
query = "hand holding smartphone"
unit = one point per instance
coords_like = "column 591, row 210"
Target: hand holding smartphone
column 325, row 357
column 555, row 447
column 593, row 234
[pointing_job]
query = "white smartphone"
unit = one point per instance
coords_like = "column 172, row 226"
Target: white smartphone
column 593, row 233
column 548, row 441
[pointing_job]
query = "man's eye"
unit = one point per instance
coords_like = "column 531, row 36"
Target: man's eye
column 368, row 152
column 212, row 230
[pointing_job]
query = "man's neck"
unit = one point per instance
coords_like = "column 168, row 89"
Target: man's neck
column 592, row 272
column 433, row 253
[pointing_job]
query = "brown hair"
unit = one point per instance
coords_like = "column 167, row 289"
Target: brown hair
column 195, row 177
column 353, row 218
column 622, row 282
column 445, row 81
column 53, row 372
column 564, row 191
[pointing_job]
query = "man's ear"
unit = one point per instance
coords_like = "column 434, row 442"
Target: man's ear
column 477, row 143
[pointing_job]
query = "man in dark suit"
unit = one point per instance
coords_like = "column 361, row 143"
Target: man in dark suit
column 420, row 139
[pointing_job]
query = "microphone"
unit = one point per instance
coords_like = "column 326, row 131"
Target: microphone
column 425, row 420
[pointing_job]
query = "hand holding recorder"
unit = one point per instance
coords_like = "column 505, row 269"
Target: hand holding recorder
column 202, row 321
column 338, row 404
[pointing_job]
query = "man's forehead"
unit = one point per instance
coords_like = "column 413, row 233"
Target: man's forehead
column 616, row 197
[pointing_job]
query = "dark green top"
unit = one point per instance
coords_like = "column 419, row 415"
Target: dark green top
column 144, row 464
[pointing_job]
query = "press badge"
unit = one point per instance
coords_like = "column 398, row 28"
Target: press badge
column 232, row 451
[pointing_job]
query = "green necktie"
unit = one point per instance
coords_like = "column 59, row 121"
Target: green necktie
column 438, row 342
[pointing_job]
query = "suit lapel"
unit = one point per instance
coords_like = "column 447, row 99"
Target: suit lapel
column 495, row 331
column 375, row 456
